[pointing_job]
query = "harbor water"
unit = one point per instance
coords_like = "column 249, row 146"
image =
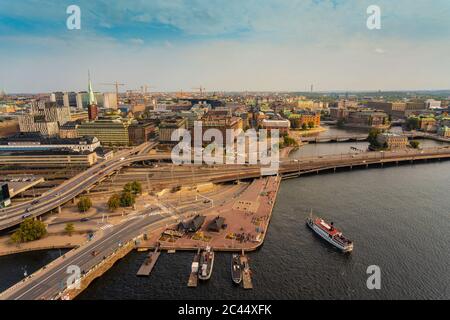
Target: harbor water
column 398, row 218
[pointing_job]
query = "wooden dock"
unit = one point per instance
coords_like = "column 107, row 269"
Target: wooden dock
column 193, row 277
column 149, row 263
column 246, row 272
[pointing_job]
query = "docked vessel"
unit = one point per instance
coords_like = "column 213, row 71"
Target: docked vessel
column 236, row 270
column 193, row 277
column 329, row 233
column 206, row 264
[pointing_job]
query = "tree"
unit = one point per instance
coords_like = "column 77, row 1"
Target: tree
column 289, row 142
column 114, row 202
column 311, row 124
column 84, row 204
column 415, row 144
column 413, row 123
column 70, row 228
column 304, row 126
column 373, row 134
column 127, row 199
column 134, row 187
column 29, row 230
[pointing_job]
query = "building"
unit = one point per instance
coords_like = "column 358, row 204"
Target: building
column 428, row 124
column 167, row 127
column 367, row 119
column 109, row 131
column 140, row 132
column 221, row 123
column 217, row 224
column 51, row 111
column 300, row 119
column 45, row 118
column 92, row 112
column 392, row 141
column 5, row 198
column 192, row 225
column 281, row 125
column 48, row 158
column 395, row 109
column 31, row 123
column 38, row 142
column 110, row 100
column 70, row 99
column 432, row 104
column 69, row 130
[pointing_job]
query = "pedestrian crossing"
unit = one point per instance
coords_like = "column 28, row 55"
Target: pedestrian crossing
column 106, row 226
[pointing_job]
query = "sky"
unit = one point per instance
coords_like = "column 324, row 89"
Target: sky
column 225, row 45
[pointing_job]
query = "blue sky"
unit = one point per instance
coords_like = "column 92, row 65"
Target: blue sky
column 225, row 45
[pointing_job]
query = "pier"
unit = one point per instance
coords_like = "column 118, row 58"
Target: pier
column 246, row 272
column 149, row 263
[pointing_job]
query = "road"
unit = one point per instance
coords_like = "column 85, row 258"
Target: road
column 50, row 282
column 68, row 190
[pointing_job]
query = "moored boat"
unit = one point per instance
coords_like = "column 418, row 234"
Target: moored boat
column 236, row 269
column 206, row 264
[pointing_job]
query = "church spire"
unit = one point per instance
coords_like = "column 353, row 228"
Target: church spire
column 92, row 99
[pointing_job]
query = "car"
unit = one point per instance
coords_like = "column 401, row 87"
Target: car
column 35, row 201
column 94, row 253
column 84, row 219
column 26, row 215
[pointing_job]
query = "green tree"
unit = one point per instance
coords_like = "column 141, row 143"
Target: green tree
column 127, row 199
column 114, row 202
column 84, row 204
column 415, row 144
column 29, row 230
column 70, row 228
column 304, row 126
column 413, row 123
column 289, row 142
column 134, row 187
column 311, row 124
column 373, row 134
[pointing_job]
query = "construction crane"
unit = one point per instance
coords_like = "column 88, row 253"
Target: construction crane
column 145, row 88
column 115, row 84
column 201, row 89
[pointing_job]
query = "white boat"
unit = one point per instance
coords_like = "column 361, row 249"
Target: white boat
column 329, row 233
column 206, row 264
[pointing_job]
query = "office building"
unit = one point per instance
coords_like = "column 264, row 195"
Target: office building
column 109, row 131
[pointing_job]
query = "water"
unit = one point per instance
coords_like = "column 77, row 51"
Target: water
column 398, row 217
column 13, row 267
column 321, row 149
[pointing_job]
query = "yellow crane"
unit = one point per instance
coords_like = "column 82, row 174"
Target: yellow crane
column 116, row 85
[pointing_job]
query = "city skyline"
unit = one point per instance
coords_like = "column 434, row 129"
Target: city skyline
column 263, row 46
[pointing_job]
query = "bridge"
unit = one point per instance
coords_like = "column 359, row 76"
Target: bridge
column 14, row 215
column 340, row 138
column 50, row 282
